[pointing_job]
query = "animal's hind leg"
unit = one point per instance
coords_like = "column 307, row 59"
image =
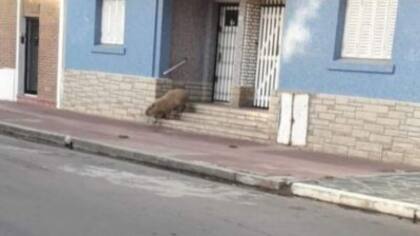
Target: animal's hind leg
column 180, row 108
column 161, row 115
column 176, row 115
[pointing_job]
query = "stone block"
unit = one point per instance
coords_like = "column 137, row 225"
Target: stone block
column 326, row 116
column 340, row 128
column 322, row 133
column 388, row 122
column 378, row 129
column 402, row 146
column 413, row 122
column 367, row 146
column 343, row 140
column 375, row 108
column 367, row 116
column 404, row 108
column 358, row 133
column 374, row 138
column 358, row 153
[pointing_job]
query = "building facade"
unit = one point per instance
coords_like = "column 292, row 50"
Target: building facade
column 358, row 60
column 130, row 52
column 334, row 76
column 29, row 43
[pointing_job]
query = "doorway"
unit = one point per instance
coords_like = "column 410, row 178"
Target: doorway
column 31, row 55
column 225, row 54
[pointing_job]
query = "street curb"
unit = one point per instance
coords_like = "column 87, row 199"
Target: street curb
column 279, row 185
column 358, row 201
column 33, row 135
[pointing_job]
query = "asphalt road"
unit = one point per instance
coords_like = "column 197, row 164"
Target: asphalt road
column 51, row 191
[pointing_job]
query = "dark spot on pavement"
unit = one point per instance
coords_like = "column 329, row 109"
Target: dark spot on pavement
column 297, row 208
column 122, row 136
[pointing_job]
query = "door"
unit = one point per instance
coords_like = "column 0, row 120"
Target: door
column 31, row 55
column 293, row 127
column 225, row 57
column 268, row 60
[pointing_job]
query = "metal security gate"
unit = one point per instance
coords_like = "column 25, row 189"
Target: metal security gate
column 268, row 51
column 228, row 25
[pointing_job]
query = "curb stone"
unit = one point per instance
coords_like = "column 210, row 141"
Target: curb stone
column 280, row 185
column 151, row 159
column 358, row 201
column 33, row 135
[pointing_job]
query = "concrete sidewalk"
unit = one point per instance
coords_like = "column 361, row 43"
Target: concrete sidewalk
column 270, row 167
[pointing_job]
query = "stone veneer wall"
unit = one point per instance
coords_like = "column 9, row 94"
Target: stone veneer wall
column 116, row 96
column 274, row 110
column 368, row 128
column 250, row 42
column 126, row 97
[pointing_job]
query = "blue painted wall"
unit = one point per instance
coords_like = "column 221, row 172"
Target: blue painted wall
column 147, row 40
column 309, row 63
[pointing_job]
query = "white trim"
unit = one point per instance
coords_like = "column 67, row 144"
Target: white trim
column 20, row 51
column 17, row 51
column 61, row 53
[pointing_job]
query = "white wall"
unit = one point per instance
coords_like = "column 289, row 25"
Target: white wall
column 7, row 84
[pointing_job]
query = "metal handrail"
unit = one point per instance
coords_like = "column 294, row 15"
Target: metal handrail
column 175, row 67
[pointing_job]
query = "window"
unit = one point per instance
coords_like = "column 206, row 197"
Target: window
column 369, row 29
column 112, row 22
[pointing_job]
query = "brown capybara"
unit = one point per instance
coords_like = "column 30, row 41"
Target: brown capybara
column 173, row 100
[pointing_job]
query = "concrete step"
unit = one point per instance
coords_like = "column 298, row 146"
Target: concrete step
column 225, row 111
column 216, row 130
column 223, row 121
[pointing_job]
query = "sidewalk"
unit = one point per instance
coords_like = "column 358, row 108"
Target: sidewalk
column 271, row 167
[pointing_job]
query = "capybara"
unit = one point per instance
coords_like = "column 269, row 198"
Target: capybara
column 173, row 100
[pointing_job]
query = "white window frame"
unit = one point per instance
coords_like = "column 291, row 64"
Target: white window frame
column 369, row 29
column 112, row 22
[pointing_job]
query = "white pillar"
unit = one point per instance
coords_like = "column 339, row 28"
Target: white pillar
column 17, row 51
column 61, row 53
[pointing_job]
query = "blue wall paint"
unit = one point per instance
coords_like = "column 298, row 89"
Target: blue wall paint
column 163, row 36
column 146, row 40
column 311, row 70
